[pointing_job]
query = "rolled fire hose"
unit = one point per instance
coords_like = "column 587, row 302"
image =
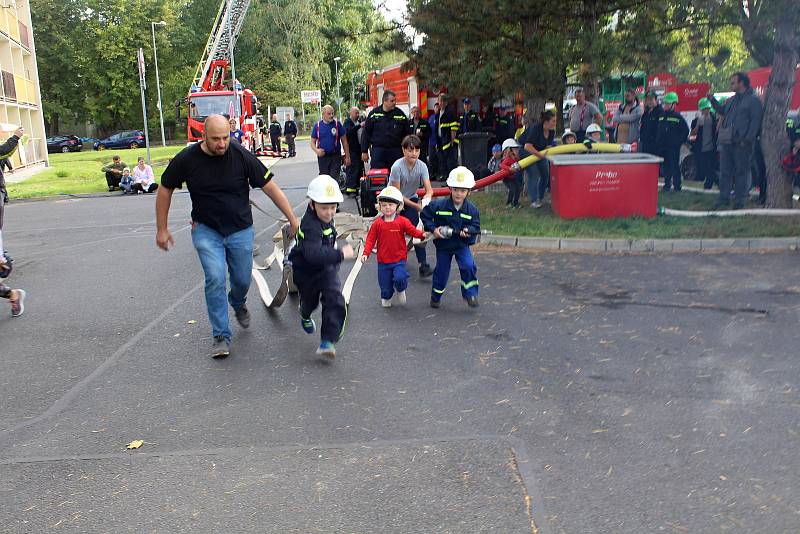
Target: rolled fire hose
column 730, row 213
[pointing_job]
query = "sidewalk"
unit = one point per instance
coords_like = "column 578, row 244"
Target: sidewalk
column 23, row 173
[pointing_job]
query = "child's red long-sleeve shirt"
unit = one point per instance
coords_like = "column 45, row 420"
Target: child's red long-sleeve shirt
column 391, row 240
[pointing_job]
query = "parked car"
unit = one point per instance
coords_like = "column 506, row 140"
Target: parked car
column 64, row 143
column 124, row 139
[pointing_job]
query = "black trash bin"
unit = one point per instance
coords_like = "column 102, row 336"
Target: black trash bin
column 474, row 147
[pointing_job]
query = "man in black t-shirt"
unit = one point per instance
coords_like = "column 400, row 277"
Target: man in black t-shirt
column 219, row 175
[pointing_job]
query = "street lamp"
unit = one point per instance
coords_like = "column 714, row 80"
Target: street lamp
column 336, row 60
column 158, row 82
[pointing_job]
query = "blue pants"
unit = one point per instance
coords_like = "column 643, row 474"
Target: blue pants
column 392, row 277
column 538, row 179
column 413, row 217
column 215, row 252
column 466, row 266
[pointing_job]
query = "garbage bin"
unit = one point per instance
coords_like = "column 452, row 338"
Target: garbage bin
column 474, row 146
column 604, row 185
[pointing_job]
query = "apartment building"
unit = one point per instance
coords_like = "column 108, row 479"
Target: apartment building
column 20, row 98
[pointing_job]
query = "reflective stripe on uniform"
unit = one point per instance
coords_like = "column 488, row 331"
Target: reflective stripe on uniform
column 467, row 285
column 327, row 231
column 439, row 291
column 465, row 216
column 444, row 213
column 300, row 233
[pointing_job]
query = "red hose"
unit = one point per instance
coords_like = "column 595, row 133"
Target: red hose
column 479, row 184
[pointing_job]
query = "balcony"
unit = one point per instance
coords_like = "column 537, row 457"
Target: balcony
column 11, row 26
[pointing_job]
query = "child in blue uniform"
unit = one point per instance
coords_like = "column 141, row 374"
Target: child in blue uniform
column 455, row 223
column 315, row 261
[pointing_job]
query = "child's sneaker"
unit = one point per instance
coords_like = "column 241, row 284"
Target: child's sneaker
column 401, row 298
column 435, row 303
column 386, row 303
column 309, row 327
column 18, row 306
column 327, row 349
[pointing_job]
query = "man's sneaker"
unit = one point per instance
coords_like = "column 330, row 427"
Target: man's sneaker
column 472, row 301
column 309, row 327
column 18, row 306
column 386, row 303
column 401, row 298
column 220, row 348
column 435, row 303
column 327, row 349
column 243, row 316
column 536, row 205
column 425, row 270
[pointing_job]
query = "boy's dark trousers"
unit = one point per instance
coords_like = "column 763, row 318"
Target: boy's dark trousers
column 706, row 167
column 672, row 168
column 316, row 287
column 466, row 267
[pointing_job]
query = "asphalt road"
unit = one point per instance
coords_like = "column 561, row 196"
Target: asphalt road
column 587, row 394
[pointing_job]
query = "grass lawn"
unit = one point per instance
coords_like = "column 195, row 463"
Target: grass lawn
column 543, row 223
column 79, row 172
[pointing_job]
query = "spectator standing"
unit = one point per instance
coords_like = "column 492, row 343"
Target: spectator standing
column 384, row 131
column 649, row 124
column 703, row 137
column 738, row 130
column 144, row 181
column 504, row 126
column 275, row 133
column 672, row 133
column 627, row 118
column 328, row 137
column 236, row 133
column 113, row 172
column 582, row 114
column 433, row 142
column 533, row 140
column 446, row 132
column 354, row 171
column 289, row 133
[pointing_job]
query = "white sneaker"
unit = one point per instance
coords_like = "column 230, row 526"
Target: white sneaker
column 537, row 204
column 401, row 298
column 386, row 303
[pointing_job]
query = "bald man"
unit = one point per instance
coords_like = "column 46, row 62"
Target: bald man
column 328, row 137
column 219, row 175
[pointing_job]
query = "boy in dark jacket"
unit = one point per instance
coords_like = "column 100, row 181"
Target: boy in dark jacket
column 315, row 261
column 455, row 223
column 672, row 133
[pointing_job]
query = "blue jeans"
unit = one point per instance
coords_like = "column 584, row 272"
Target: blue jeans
column 392, row 277
column 413, row 217
column 215, row 252
column 538, row 178
column 466, row 267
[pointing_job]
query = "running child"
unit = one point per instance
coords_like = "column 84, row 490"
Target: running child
column 315, row 261
column 389, row 231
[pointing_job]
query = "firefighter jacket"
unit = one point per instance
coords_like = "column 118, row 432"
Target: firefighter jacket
column 290, row 128
column 275, row 129
column 421, row 130
column 315, row 250
column 672, row 130
column 649, row 128
column 503, row 128
column 447, row 128
column 384, row 129
column 442, row 212
column 468, row 122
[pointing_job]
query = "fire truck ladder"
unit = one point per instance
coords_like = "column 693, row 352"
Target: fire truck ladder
column 222, row 40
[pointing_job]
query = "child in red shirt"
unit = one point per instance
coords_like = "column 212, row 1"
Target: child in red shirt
column 389, row 231
column 514, row 181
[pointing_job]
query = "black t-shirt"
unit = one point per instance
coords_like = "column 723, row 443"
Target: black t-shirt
column 535, row 136
column 218, row 185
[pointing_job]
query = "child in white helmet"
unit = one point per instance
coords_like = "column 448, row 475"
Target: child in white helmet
column 315, row 261
column 568, row 137
column 513, row 181
column 593, row 133
column 389, row 231
column 455, row 223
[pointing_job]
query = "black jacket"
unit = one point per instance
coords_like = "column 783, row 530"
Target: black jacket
column 289, row 128
column 697, row 144
column 384, row 129
column 315, row 250
column 351, row 129
column 649, row 128
column 504, row 128
column 741, row 113
column 6, row 150
column 672, row 130
column 275, row 129
column 421, row 130
column 468, row 122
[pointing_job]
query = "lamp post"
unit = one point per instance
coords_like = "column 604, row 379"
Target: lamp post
column 158, row 82
column 336, row 61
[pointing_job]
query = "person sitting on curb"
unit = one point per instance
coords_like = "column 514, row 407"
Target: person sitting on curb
column 143, row 179
column 126, row 181
column 113, row 172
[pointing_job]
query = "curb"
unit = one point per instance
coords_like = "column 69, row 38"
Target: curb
column 643, row 245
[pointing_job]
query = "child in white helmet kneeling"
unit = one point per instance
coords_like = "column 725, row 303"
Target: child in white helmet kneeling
column 315, row 261
column 455, row 223
column 389, row 231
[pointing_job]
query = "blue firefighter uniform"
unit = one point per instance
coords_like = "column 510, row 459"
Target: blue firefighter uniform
column 315, row 265
column 442, row 212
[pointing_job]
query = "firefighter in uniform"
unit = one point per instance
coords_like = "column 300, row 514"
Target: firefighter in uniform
column 275, row 134
column 384, row 130
column 446, row 132
column 289, row 133
column 420, row 127
column 468, row 122
column 504, row 127
column 672, row 133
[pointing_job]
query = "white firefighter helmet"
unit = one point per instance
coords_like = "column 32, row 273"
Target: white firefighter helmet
column 593, row 128
column 461, row 177
column 325, row 190
column 392, row 194
column 567, row 133
column 510, row 143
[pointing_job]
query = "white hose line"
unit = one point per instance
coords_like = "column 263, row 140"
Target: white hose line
column 731, row 213
column 715, row 191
